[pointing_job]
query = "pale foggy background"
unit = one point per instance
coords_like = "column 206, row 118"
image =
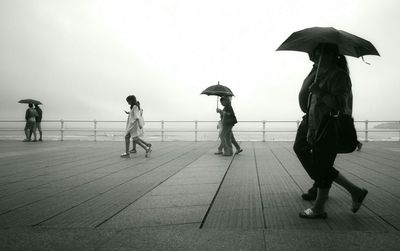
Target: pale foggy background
column 82, row 58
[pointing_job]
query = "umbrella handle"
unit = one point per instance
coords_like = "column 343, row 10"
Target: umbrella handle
column 316, row 73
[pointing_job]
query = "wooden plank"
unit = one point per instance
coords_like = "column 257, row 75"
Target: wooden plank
column 116, row 200
column 82, row 184
column 40, row 210
column 238, row 202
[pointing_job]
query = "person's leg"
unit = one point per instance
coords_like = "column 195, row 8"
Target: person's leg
column 26, row 130
column 127, row 142
column 323, row 173
column 227, row 135
column 236, row 144
column 133, row 150
column 39, row 127
column 220, row 147
column 303, row 151
column 357, row 194
column 144, row 142
column 33, row 130
column 148, row 145
column 140, row 143
column 30, row 130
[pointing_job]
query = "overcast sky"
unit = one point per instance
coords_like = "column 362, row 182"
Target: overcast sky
column 82, row 58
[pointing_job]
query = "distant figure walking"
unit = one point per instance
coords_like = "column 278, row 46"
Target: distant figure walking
column 133, row 128
column 39, row 121
column 30, row 118
column 228, row 121
column 331, row 93
column 141, row 123
column 221, row 146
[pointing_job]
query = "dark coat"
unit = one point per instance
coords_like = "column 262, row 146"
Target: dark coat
column 334, row 94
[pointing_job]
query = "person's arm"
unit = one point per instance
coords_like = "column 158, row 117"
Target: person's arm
column 335, row 94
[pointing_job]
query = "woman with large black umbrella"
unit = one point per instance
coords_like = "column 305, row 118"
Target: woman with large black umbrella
column 326, row 90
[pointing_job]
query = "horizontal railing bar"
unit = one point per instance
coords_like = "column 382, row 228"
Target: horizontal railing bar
column 264, row 127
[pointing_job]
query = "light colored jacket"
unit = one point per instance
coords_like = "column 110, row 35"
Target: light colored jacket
column 132, row 123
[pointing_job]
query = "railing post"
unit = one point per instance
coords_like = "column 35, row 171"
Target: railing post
column 366, row 130
column 263, row 130
column 195, row 131
column 95, row 130
column 62, row 130
column 162, row 130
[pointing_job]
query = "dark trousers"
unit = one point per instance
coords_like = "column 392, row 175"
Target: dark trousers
column 317, row 163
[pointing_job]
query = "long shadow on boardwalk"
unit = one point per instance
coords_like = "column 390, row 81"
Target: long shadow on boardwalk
column 83, row 195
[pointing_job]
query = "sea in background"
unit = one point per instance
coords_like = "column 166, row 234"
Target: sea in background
column 185, row 130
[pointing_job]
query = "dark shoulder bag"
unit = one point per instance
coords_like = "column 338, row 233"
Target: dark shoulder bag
column 337, row 133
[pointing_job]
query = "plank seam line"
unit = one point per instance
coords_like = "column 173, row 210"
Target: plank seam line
column 149, row 190
column 291, row 177
column 83, row 184
column 259, row 187
column 216, row 193
column 36, row 224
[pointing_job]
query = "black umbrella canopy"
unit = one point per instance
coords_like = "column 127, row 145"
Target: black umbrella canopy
column 308, row 39
column 30, row 101
column 218, row 90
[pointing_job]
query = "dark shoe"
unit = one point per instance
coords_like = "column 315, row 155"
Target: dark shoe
column 357, row 204
column 227, row 154
column 132, row 151
column 239, row 151
column 40, row 140
column 26, row 140
column 218, row 153
column 310, row 195
column 359, row 146
column 310, row 214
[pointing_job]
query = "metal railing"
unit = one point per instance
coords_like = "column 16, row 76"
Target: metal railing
column 264, row 127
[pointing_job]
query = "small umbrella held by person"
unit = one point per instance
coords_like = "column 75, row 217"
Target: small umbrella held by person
column 225, row 95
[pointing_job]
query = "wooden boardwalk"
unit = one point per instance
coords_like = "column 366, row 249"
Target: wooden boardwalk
column 86, row 185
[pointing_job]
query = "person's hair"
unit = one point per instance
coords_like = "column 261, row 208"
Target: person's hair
column 138, row 104
column 131, row 99
column 30, row 105
column 333, row 49
column 226, row 98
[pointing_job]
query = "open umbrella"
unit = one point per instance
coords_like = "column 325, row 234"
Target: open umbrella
column 306, row 40
column 218, row 90
column 30, row 101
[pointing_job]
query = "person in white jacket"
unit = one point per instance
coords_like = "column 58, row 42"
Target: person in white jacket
column 133, row 128
column 141, row 124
